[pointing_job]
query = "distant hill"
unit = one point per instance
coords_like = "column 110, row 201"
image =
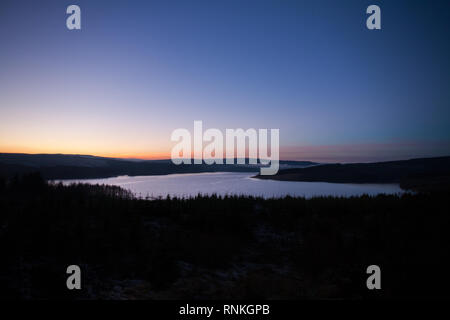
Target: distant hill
column 61, row 166
column 411, row 174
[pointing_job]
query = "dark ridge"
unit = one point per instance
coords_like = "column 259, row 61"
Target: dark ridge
column 411, row 174
column 59, row 166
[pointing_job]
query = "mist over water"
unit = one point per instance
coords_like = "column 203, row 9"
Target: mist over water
column 235, row 183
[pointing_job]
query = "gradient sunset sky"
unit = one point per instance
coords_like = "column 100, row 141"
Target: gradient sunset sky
column 140, row 69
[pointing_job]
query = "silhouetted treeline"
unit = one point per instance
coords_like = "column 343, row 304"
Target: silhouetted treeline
column 218, row 247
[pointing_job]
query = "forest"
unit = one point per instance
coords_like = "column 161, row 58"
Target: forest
column 218, row 247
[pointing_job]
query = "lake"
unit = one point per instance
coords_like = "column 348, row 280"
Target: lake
column 235, row 183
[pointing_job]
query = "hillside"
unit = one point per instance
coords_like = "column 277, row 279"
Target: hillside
column 411, row 174
column 60, row 166
column 218, row 247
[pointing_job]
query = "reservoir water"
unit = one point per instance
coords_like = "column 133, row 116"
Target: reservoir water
column 235, row 183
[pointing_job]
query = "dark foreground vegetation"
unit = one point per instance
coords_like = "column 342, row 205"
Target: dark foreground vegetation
column 211, row 248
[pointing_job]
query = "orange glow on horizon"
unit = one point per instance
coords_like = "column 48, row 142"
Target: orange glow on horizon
column 347, row 153
column 158, row 155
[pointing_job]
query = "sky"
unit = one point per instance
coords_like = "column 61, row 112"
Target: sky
column 137, row 70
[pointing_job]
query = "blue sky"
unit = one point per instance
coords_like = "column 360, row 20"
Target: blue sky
column 140, row 69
